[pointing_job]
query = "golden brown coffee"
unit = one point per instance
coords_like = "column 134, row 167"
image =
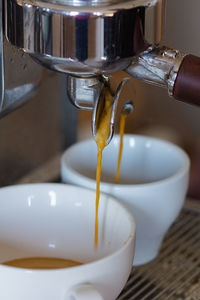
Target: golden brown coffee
column 43, row 263
column 103, row 132
column 122, row 128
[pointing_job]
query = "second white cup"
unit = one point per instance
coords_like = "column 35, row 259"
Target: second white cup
column 153, row 183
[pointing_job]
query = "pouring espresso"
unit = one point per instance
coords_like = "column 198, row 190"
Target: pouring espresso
column 90, row 40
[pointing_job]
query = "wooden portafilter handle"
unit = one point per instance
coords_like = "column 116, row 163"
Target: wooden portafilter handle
column 187, row 83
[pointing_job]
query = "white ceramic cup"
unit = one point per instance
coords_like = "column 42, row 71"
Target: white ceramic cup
column 154, row 181
column 57, row 220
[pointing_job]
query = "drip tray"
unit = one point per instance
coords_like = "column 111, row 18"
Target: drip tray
column 175, row 274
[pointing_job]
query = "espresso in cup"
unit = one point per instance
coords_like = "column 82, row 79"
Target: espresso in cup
column 46, row 227
column 42, row 263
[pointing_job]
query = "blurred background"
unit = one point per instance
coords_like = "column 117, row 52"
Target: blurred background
column 48, row 123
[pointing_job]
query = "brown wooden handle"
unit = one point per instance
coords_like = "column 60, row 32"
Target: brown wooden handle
column 187, row 84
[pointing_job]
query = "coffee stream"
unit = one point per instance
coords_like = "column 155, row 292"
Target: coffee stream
column 122, row 128
column 103, row 132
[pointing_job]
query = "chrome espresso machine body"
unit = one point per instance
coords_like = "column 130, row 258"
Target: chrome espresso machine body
column 88, row 40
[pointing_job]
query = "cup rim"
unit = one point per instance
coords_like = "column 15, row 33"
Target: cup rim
column 90, row 182
column 124, row 245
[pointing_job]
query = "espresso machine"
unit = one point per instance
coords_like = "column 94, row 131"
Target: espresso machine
column 89, row 41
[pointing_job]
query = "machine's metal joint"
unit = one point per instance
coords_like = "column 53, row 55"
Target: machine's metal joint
column 158, row 66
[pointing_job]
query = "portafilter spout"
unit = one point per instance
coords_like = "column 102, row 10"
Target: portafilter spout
column 88, row 94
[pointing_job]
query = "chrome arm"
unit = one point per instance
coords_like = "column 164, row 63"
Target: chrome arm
column 157, row 66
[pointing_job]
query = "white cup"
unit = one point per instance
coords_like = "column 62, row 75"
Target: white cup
column 154, row 181
column 57, row 220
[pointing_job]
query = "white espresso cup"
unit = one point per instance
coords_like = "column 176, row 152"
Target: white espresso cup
column 153, row 183
column 57, row 220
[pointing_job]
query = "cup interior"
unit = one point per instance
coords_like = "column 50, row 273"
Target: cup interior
column 57, row 220
column 144, row 160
